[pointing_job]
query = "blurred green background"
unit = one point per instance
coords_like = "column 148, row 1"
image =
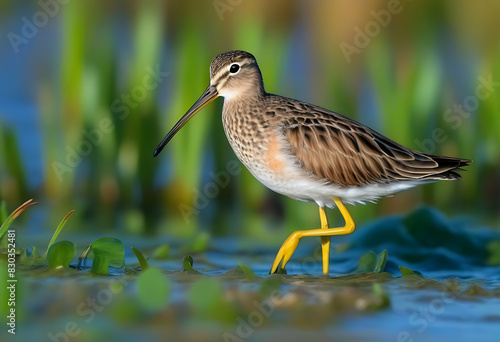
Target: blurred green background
column 89, row 88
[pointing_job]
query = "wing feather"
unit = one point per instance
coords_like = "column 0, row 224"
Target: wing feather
column 347, row 153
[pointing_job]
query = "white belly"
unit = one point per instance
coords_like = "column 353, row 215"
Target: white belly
column 295, row 183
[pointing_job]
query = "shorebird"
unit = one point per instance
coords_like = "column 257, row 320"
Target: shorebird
column 309, row 153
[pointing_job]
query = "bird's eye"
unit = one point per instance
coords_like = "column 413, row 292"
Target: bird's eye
column 234, row 68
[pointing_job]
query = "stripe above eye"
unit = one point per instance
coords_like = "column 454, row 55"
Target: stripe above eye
column 221, row 76
column 223, row 73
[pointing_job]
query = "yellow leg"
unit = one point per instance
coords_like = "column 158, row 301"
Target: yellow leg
column 290, row 244
column 325, row 240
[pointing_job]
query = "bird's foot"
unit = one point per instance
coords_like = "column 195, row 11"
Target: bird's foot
column 286, row 251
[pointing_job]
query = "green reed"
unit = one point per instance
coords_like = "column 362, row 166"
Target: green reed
column 118, row 181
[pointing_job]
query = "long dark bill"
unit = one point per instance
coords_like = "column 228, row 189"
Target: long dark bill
column 208, row 95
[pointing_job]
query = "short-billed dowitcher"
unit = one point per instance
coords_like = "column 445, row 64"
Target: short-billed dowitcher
column 309, row 153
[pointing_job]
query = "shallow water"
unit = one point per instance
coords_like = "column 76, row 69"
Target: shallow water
column 457, row 298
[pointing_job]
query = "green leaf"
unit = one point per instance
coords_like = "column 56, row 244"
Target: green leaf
column 6, row 224
column 372, row 263
column 200, row 243
column 153, row 288
column 187, row 263
column 142, row 260
column 58, row 230
column 205, row 295
column 405, row 271
column 381, row 261
column 366, row 263
column 61, row 253
column 247, row 271
column 161, row 252
column 110, row 248
column 107, row 251
column 207, row 302
column 100, row 265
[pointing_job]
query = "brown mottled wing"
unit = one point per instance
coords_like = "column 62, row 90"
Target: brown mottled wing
column 347, row 153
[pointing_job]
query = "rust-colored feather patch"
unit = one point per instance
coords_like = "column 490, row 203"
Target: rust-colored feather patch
column 274, row 155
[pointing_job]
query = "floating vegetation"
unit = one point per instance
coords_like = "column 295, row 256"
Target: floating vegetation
column 60, row 254
column 153, row 288
column 241, row 301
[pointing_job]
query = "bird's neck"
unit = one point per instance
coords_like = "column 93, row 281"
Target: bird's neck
column 251, row 91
